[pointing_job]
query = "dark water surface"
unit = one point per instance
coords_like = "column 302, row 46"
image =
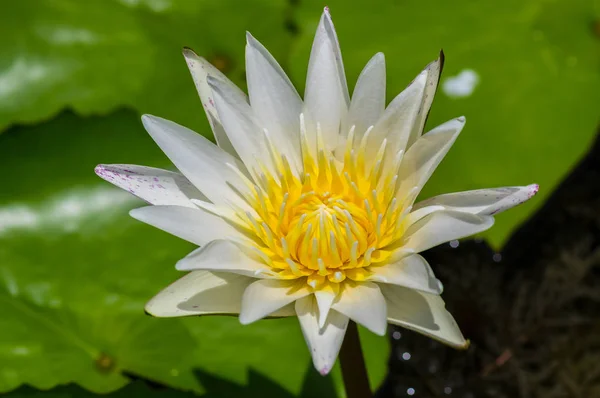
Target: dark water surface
column 532, row 312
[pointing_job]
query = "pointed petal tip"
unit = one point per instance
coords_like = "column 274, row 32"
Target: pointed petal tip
column 139, row 213
column 440, row 286
column 327, row 16
column 324, row 371
column 461, row 119
column 442, row 61
column 254, row 44
column 377, row 59
column 151, row 123
column 488, row 221
column 180, row 265
column 100, row 169
column 533, row 189
column 150, row 308
column 191, row 56
column 146, row 119
column 381, row 330
column 155, row 308
column 245, row 320
column 188, row 52
column 322, row 321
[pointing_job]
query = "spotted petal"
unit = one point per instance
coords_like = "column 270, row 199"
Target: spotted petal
column 155, row 186
column 200, row 70
column 201, row 161
column 482, row 201
column 433, row 70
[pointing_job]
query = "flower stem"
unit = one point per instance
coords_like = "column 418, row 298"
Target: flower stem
column 354, row 370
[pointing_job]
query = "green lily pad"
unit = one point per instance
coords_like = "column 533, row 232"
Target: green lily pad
column 97, row 55
column 44, row 347
column 134, row 390
column 534, row 109
column 76, row 271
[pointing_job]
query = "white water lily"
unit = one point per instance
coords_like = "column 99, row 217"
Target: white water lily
column 306, row 208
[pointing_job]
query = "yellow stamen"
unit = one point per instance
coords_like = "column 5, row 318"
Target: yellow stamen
column 327, row 220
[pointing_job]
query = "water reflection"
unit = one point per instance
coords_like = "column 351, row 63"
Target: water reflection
column 66, row 35
column 25, row 73
column 461, row 85
column 64, row 212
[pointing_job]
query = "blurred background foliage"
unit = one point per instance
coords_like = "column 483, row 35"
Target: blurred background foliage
column 75, row 270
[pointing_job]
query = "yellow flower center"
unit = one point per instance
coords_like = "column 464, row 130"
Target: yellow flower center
column 335, row 221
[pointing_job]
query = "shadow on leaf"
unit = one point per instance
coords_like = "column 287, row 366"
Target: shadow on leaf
column 314, row 385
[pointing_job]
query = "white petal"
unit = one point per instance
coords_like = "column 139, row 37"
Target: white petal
column 266, row 296
column 398, row 119
column 364, row 304
column 412, row 271
column 274, row 100
column 422, row 212
column 201, row 161
column 326, row 96
column 222, row 255
column 155, row 186
column 200, row 292
column 325, row 298
column 283, row 312
column 433, row 70
column 194, row 225
column 425, row 155
column 423, row 313
column 241, row 126
column 443, row 226
column 368, row 98
column 200, row 70
column 324, row 342
column 482, row 201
